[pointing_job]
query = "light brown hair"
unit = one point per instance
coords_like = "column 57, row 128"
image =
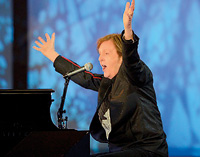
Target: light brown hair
column 116, row 38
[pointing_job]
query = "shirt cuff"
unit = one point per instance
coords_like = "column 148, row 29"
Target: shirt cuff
column 128, row 41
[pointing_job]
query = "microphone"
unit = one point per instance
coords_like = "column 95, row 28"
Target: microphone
column 86, row 67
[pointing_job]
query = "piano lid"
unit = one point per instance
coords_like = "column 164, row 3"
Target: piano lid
column 26, row 91
column 26, row 110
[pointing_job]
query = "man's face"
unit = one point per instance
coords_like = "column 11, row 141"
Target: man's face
column 109, row 59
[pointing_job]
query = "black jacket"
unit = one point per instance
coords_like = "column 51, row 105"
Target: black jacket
column 135, row 118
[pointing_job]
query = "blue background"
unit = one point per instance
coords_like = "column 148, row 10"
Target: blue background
column 169, row 34
column 6, row 40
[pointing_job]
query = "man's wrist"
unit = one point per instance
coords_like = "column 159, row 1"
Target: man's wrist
column 52, row 56
column 128, row 34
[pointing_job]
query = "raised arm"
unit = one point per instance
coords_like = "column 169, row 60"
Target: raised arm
column 135, row 68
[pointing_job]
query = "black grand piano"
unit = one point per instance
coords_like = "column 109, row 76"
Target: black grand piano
column 26, row 128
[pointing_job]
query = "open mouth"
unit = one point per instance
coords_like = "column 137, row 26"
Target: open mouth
column 103, row 67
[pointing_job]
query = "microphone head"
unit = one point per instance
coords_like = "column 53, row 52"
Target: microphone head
column 88, row 66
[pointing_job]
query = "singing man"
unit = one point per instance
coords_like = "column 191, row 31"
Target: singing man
column 127, row 116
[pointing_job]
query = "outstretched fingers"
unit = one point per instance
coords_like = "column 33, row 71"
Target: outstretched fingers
column 36, row 48
column 38, row 43
column 41, row 40
column 127, row 7
column 47, row 36
column 46, row 47
column 132, row 7
column 53, row 37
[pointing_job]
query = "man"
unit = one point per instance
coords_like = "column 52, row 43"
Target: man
column 127, row 116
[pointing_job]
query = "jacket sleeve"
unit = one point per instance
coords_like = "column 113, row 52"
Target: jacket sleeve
column 137, row 71
column 85, row 79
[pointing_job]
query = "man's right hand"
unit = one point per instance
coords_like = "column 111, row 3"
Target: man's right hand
column 47, row 47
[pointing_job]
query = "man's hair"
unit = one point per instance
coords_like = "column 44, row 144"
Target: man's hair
column 116, row 38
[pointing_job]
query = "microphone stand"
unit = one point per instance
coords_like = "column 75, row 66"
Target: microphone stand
column 62, row 123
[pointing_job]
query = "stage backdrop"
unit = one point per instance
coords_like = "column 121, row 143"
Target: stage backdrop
column 169, row 34
column 6, row 40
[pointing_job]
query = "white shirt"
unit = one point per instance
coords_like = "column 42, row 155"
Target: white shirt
column 106, row 123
